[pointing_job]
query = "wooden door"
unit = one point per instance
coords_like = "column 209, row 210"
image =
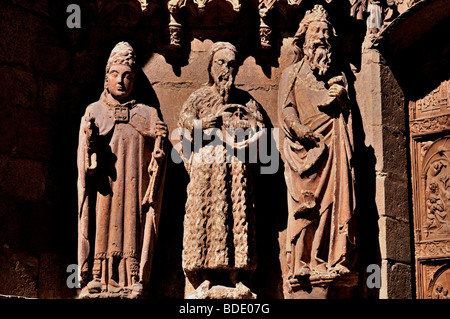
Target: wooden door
column 430, row 160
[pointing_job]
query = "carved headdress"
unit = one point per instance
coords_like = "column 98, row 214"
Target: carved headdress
column 123, row 53
column 217, row 46
column 317, row 14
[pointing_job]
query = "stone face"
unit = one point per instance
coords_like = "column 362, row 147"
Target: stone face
column 219, row 226
column 315, row 116
column 51, row 73
column 119, row 178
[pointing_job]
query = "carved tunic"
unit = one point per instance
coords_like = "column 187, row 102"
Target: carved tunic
column 111, row 197
column 322, row 181
column 219, row 222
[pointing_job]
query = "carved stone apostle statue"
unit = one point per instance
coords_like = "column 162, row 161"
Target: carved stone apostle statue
column 219, row 228
column 120, row 156
column 315, row 116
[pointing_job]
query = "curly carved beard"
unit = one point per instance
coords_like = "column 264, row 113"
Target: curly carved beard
column 318, row 55
column 224, row 82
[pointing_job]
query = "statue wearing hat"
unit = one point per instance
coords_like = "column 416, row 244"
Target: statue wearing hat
column 120, row 155
column 316, row 117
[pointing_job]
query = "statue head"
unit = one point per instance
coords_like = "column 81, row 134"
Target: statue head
column 222, row 68
column 120, row 71
column 314, row 39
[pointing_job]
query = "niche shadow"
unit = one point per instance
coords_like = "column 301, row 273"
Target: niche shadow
column 167, row 279
column 271, row 210
column 366, row 212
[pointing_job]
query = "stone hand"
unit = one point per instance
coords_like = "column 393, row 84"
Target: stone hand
column 161, row 129
column 306, row 135
column 92, row 132
column 211, row 121
column 337, row 91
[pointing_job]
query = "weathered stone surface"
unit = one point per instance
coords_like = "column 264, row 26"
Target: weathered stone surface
column 51, row 60
column 23, row 178
column 395, row 279
column 120, row 169
column 23, row 83
column 51, row 74
column 19, row 273
column 18, row 38
column 219, row 240
column 392, row 234
column 315, row 116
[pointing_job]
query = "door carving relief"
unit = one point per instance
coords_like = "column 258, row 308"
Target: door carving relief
column 430, row 160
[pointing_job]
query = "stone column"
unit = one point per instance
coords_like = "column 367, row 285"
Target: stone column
column 384, row 119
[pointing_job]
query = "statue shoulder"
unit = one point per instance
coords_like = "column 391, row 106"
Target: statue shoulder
column 289, row 74
column 194, row 99
column 94, row 109
column 146, row 113
column 202, row 92
column 144, row 108
column 104, row 117
column 293, row 68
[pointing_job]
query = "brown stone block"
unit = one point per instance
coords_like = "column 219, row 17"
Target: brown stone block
column 18, row 37
column 392, row 234
column 170, row 103
column 52, row 280
column 22, row 178
column 194, row 74
column 35, row 135
column 252, row 75
column 395, row 151
column 393, row 100
column 397, row 197
column 19, row 273
column 88, row 70
column 8, row 129
column 19, row 87
column 395, row 280
column 51, row 61
column 51, row 92
column 40, row 7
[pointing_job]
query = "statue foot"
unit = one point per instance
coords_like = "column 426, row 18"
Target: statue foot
column 241, row 286
column 303, row 272
column 201, row 292
column 136, row 290
column 341, row 270
column 114, row 287
column 94, row 286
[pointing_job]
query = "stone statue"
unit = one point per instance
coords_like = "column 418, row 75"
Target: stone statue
column 375, row 19
column 315, row 116
column 219, row 227
column 120, row 155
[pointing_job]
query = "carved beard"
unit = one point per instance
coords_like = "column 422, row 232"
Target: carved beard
column 224, row 82
column 318, row 55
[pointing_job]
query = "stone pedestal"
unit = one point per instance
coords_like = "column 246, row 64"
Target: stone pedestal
column 329, row 287
column 206, row 291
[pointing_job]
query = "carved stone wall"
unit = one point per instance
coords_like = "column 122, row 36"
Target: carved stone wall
column 51, row 73
column 430, row 150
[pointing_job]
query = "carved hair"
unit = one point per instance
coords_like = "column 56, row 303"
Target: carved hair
column 217, row 46
column 317, row 14
column 122, row 53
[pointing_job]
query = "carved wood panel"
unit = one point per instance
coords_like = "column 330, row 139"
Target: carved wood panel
column 430, row 154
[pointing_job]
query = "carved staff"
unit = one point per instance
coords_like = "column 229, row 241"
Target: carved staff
column 92, row 133
column 150, row 230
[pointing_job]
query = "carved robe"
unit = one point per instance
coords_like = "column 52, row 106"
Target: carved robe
column 319, row 180
column 219, row 220
column 111, row 216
